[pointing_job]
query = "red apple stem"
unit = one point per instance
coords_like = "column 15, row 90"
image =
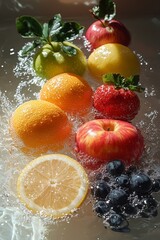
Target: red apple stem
column 96, row 17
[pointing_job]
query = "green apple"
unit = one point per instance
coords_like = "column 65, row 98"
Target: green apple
column 51, row 60
column 56, row 52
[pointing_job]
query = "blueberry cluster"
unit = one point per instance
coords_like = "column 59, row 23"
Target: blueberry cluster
column 121, row 193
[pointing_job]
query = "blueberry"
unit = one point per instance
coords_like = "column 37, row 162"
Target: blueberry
column 131, row 169
column 106, row 178
column 138, row 205
column 117, row 197
column 101, row 208
column 116, row 222
column 115, row 167
column 129, row 209
column 123, row 180
column 140, row 183
column 146, row 206
column 99, row 176
column 156, row 185
column 149, row 212
column 100, row 189
column 149, row 201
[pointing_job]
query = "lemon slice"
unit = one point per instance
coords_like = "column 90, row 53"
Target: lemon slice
column 53, row 185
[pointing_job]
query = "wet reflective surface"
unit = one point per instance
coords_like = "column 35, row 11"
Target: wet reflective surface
column 17, row 85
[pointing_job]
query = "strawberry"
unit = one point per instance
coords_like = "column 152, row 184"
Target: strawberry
column 116, row 98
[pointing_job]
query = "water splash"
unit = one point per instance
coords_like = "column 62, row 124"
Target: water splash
column 15, row 225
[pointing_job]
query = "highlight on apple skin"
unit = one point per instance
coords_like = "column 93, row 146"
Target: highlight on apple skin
column 102, row 32
column 107, row 139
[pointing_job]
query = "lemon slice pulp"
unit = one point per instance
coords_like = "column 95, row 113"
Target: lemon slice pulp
column 53, row 185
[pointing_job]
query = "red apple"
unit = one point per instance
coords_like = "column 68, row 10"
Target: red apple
column 107, row 139
column 102, row 32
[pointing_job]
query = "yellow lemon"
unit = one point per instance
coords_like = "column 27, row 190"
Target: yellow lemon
column 53, row 185
column 40, row 124
column 113, row 58
column 52, row 60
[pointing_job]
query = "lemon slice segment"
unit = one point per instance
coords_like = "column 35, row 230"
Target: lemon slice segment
column 53, row 185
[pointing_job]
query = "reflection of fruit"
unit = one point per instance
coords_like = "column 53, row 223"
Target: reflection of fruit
column 49, row 61
column 68, row 91
column 107, row 139
column 102, row 32
column 53, row 185
column 116, row 103
column 39, row 123
column 113, row 58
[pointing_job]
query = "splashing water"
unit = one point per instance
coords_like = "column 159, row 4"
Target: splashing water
column 12, row 219
column 18, row 223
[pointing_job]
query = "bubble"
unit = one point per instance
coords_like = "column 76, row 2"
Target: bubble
column 86, row 44
column 12, row 52
column 149, row 92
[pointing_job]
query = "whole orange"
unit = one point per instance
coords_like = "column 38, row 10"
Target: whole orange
column 70, row 92
column 39, row 124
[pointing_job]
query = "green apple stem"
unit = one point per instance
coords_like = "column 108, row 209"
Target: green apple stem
column 56, row 46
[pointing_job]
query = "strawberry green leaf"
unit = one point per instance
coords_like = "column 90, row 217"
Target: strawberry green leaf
column 28, row 27
column 109, row 78
column 134, row 79
column 130, row 83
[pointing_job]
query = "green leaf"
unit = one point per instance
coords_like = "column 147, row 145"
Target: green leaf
column 134, row 79
column 55, row 30
column 45, row 30
column 105, row 10
column 29, row 47
column 68, row 31
column 127, row 83
column 55, row 25
column 69, row 50
column 71, row 30
column 28, row 27
column 108, row 78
